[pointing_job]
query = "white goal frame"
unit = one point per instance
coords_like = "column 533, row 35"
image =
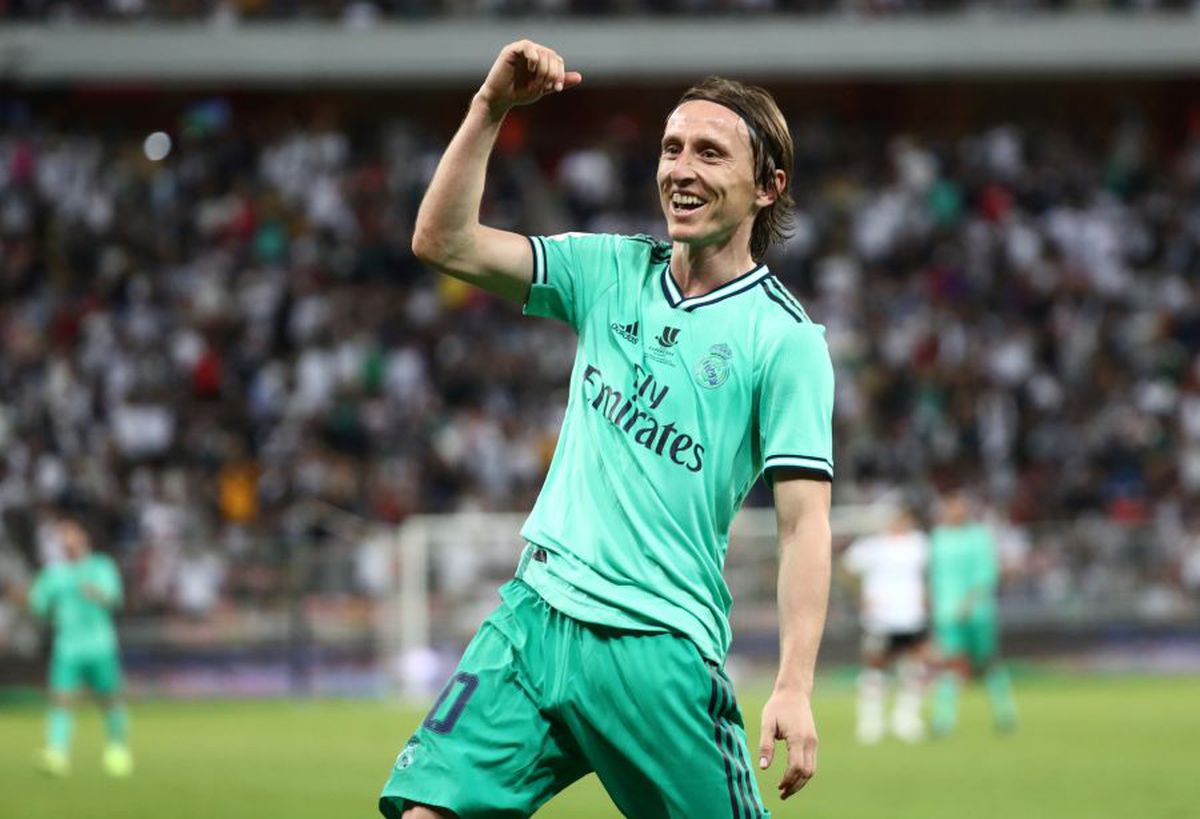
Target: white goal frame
column 449, row 566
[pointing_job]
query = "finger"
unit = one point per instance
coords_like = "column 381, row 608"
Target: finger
column 559, row 70
column 801, row 767
column 528, row 53
column 543, row 72
column 766, row 744
column 572, row 79
column 787, row 784
column 809, row 766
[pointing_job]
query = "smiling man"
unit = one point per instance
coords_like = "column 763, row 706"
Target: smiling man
column 695, row 373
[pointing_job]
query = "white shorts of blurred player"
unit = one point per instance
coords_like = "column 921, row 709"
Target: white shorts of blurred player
column 884, row 651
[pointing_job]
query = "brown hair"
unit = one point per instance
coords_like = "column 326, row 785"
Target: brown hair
column 771, row 143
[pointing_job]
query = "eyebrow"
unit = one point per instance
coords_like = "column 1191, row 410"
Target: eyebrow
column 701, row 142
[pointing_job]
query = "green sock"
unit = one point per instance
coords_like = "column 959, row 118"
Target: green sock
column 59, row 727
column 945, row 702
column 999, row 690
column 116, row 723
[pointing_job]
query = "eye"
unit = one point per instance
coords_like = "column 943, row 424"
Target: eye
column 710, row 153
column 670, row 149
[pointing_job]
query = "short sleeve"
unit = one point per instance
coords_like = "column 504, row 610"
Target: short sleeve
column 796, row 404
column 569, row 271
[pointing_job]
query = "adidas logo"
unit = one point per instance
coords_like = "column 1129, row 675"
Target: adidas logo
column 629, row 332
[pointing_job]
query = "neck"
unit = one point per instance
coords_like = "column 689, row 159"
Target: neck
column 700, row 269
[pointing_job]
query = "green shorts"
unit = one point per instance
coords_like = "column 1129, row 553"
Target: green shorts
column 540, row 699
column 100, row 672
column 977, row 637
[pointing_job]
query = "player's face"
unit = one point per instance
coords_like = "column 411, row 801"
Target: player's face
column 706, row 175
column 903, row 522
column 74, row 540
column 956, row 511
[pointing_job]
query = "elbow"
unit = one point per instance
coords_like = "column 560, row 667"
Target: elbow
column 437, row 249
column 425, row 245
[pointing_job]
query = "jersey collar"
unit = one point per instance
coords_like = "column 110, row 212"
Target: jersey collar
column 731, row 288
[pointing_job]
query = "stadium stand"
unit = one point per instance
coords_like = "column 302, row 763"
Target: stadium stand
column 227, row 357
column 200, row 349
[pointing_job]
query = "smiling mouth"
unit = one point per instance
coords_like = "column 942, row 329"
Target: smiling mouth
column 685, row 203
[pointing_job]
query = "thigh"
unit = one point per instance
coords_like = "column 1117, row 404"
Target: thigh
column 103, row 674
column 663, row 731
column 485, row 749
column 874, row 647
column 66, row 675
column 982, row 639
column 951, row 638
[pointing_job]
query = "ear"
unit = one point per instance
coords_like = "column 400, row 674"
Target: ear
column 765, row 197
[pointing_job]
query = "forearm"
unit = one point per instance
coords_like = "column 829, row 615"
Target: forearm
column 803, row 597
column 449, row 214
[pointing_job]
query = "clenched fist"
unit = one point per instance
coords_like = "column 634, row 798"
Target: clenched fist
column 523, row 73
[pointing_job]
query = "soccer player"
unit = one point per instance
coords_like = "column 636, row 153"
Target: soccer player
column 964, row 577
column 79, row 595
column 695, row 371
column 891, row 571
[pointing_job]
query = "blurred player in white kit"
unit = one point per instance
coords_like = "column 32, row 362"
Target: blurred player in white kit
column 891, row 571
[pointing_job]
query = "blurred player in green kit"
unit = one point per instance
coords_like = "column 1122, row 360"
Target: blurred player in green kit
column 964, row 577
column 78, row 595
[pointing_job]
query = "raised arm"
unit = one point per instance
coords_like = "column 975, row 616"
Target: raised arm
column 448, row 235
column 802, row 508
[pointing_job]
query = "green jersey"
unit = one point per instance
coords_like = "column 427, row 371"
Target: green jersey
column 79, row 597
column 675, row 407
column 963, row 572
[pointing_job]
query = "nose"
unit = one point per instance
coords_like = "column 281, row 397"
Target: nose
column 681, row 168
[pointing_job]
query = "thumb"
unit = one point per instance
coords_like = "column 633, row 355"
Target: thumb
column 766, row 744
column 572, row 79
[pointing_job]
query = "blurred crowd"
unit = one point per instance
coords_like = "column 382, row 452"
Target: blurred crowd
column 230, row 348
column 364, row 13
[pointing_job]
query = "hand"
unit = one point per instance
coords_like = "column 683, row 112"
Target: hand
column 93, row 593
column 788, row 716
column 524, row 73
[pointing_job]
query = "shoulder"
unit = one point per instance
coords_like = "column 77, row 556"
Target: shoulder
column 614, row 248
column 983, row 534
column 783, row 319
column 103, row 563
column 50, row 576
column 860, row 546
column 786, row 336
column 642, row 246
column 779, row 306
column 616, row 241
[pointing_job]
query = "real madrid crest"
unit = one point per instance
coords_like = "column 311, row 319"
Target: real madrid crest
column 712, row 370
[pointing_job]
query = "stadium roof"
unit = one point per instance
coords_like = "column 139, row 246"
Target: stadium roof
column 455, row 53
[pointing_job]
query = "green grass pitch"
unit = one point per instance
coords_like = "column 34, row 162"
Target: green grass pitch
column 1086, row 747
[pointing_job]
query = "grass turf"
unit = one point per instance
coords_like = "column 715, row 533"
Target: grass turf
column 1086, row 747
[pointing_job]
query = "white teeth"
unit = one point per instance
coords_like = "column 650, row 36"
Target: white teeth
column 686, row 199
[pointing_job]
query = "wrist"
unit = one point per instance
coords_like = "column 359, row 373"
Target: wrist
column 487, row 105
column 794, row 686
